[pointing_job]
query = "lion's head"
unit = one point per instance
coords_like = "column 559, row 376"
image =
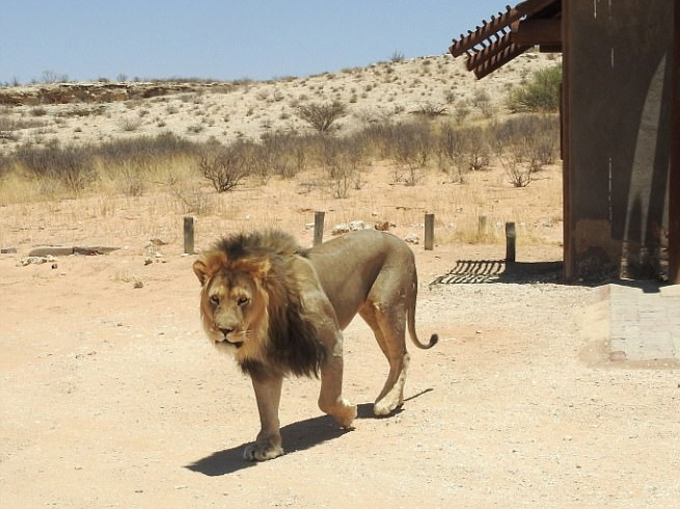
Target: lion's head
column 251, row 306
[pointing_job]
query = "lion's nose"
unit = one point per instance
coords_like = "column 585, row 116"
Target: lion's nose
column 225, row 332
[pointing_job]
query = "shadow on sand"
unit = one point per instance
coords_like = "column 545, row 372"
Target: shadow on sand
column 298, row 436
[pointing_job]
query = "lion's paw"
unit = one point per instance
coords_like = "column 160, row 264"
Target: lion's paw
column 262, row 452
column 346, row 414
column 386, row 406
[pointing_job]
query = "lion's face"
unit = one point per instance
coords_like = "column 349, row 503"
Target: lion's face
column 233, row 307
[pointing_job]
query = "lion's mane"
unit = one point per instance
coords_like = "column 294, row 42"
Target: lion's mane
column 292, row 345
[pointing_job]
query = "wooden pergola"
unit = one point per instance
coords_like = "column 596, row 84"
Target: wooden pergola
column 550, row 25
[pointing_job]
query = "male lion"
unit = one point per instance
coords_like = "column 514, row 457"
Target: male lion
column 280, row 309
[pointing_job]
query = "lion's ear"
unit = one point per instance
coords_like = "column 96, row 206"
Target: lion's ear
column 201, row 271
column 257, row 268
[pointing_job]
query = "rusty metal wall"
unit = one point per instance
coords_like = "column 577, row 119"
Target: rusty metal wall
column 618, row 77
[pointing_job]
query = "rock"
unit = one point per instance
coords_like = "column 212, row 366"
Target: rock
column 155, row 241
column 8, row 250
column 412, row 239
column 58, row 250
column 357, row 225
column 36, row 260
column 339, row 229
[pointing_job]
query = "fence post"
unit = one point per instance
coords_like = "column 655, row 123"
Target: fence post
column 429, row 231
column 189, row 235
column 481, row 226
column 510, row 236
column 318, row 227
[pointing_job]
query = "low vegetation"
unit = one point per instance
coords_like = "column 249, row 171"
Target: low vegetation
column 450, row 142
column 540, row 94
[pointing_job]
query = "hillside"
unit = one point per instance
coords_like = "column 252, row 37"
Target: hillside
column 224, row 111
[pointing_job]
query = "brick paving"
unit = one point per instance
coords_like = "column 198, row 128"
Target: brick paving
column 645, row 320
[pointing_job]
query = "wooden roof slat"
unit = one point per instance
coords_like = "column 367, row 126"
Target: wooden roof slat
column 478, row 58
column 496, row 37
column 499, row 60
column 468, row 42
column 526, row 8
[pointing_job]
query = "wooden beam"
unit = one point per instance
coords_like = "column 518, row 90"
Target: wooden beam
column 674, row 177
column 565, row 122
column 532, row 32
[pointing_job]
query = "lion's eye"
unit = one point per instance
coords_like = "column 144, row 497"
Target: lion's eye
column 242, row 301
column 215, row 300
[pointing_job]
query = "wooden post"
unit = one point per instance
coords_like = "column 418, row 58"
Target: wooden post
column 318, row 227
column 510, row 236
column 674, row 177
column 429, row 231
column 481, row 226
column 189, row 235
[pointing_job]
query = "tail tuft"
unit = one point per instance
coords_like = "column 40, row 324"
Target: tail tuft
column 434, row 339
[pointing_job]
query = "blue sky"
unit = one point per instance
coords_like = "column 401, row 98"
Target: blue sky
column 225, row 40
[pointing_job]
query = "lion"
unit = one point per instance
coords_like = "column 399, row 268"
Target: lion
column 280, row 309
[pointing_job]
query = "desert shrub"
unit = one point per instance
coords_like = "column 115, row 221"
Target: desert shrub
column 476, row 148
column 192, row 199
column 518, row 172
column 9, row 126
column 482, row 101
column 71, row 166
column 145, row 149
column 226, row 167
column 375, row 134
column 431, row 110
column 130, row 125
column 397, row 56
column 540, row 94
column 531, row 138
column 6, row 165
column 411, row 147
column 342, row 160
column 130, row 180
column 322, row 117
column 280, row 154
column 525, row 144
column 450, row 152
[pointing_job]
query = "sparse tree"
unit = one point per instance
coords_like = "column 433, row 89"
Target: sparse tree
column 322, row 117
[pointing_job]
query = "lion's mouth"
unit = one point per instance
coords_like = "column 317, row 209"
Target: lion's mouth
column 225, row 340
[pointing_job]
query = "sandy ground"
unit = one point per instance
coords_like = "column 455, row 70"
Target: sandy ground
column 111, row 397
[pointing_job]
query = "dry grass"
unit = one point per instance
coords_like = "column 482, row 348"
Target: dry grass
column 109, row 218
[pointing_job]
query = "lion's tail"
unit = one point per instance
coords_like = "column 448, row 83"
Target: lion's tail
column 411, row 320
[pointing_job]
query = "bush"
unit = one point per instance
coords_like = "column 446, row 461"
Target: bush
column 411, row 146
column 322, row 116
column 71, row 166
column 540, row 94
column 450, row 152
column 226, row 167
column 531, row 138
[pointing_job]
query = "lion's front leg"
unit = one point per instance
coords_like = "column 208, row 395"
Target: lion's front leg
column 267, row 445
column 331, row 400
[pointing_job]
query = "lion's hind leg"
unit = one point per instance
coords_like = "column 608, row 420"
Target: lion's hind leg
column 390, row 334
